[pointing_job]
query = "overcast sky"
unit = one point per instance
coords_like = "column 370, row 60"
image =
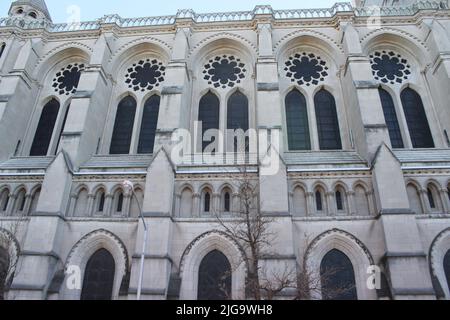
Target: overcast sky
column 93, row 9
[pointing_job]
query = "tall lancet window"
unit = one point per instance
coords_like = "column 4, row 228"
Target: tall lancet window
column 44, row 132
column 208, row 115
column 327, row 121
column 123, row 126
column 416, row 118
column 149, row 125
column 391, row 119
column 297, row 121
column 238, row 119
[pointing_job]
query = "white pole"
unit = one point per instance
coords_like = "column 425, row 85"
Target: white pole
column 129, row 185
column 141, row 271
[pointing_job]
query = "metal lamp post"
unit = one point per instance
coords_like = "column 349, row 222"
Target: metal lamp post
column 130, row 186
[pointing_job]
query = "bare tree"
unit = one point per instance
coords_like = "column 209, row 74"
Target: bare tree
column 252, row 230
column 9, row 229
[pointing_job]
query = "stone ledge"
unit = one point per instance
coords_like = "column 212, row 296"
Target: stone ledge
column 263, row 86
column 150, row 292
column 413, row 292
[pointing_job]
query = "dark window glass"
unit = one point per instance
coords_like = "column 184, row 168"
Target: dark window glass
column 120, row 203
column 227, row 202
column 297, row 121
column 123, row 126
column 62, row 127
column 416, row 118
column 214, row 278
column 5, row 200
column 339, row 202
column 391, row 119
column 99, row 277
column 101, row 202
column 2, row 48
column 208, row 114
column 22, row 198
column 448, row 192
column 4, row 269
column 431, row 199
column 319, row 204
column 45, row 129
column 207, row 202
column 149, row 125
column 337, row 277
column 238, row 116
column 447, row 267
column 327, row 121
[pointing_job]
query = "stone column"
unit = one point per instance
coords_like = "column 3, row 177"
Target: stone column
column 107, row 210
column 90, row 205
column 425, row 201
column 311, row 210
column 72, row 204
column 178, row 205
column 11, row 205
column 351, row 202
column 216, row 207
column 372, row 209
column 445, row 200
column 26, row 207
column 196, row 205
column 331, row 204
column 126, row 205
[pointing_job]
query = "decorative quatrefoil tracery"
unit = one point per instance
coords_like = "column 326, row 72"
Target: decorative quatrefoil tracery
column 225, row 71
column 306, row 69
column 145, row 75
column 66, row 80
column 389, row 67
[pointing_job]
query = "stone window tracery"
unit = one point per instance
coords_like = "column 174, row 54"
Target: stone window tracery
column 67, row 79
column 224, row 71
column 389, row 67
column 306, row 69
column 145, row 75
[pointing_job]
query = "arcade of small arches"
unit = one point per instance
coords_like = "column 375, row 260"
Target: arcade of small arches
column 337, row 201
column 313, row 112
column 101, row 201
column 429, row 196
column 20, row 200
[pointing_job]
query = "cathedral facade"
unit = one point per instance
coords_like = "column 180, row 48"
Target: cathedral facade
column 354, row 102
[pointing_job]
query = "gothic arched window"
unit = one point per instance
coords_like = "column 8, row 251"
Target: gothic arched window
column 44, row 131
column 214, row 277
column 2, row 49
column 391, row 119
column 337, row 277
column 431, row 199
column 416, row 118
column 99, row 277
column 149, row 125
column 4, row 200
column 327, row 121
column 208, row 115
column 207, row 202
column 447, row 267
column 4, row 268
column 99, row 201
column 297, row 121
column 339, row 200
column 123, row 126
column 319, row 201
column 227, row 202
column 237, row 119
